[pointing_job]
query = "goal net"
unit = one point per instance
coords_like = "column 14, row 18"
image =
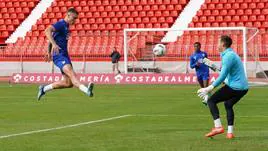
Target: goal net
column 139, row 43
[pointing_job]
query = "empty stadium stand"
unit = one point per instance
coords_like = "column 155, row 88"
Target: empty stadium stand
column 12, row 13
column 101, row 23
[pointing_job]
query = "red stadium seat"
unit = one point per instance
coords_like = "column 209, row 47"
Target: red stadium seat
column 146, row 8
column 8, row 21
column 2, row 4
column 162, row 7
column 154, row 7
column 25, row 10
column 114, row 20
column 124, row 8
column 170, row 7
column 116, row 26
column 215, row 12
column 142, row 14
column 11, row 10
column 145, row 20
column 83, row 3
column 153, row 20
column 111, row 14
column 141, row 26
column 150, row 2
column 131, row 8
column 102, row 27
column 169, row 20
column 257, row 24
column 127, row 14
column 120, row 2
column 235, row 18
column 158, row 2
column 135, row 2
column 134, row 14
column 244, row 6
column 98, row 2
column 137, row 20
column 128, row 2
column 174, row 13
column 165, row 13
column 261, row 18
column 203, row 19
column 116, row 8
column 85, row 9
column 139, row 8
column 96, row 14
column 223, row 12
column 240, row 12
column 158, row 13
column 143, row 2
column 104, row 14
column 256, row 12
column 99, row 20
column 166, row 1
column 130, row 20
column 265, row 24
column 119, row 14
column 265, row 11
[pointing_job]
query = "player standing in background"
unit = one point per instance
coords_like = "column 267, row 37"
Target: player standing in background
column 115, row 55
column 202, row 70
column 58, row 35
column 236, row 86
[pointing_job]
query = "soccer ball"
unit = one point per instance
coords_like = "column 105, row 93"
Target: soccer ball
column 159, row 50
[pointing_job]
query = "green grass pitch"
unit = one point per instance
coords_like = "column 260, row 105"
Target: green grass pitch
column 159, row 118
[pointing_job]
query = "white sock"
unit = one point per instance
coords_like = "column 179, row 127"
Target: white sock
column 230, row 129
column 48, row 88
column 83, row 88
column 217, row 123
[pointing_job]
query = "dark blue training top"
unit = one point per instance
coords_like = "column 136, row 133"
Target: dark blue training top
column 202, row 68
column 61, row 36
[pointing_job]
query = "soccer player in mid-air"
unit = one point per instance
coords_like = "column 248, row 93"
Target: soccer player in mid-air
column 236, row 86
column 58, row 35
column 202, row 70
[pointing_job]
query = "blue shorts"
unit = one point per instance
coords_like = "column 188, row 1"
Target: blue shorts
column 60, row 61
column 203, row 76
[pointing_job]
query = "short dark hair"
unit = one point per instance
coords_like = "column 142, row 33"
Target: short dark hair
column 227, row 41
column 197, row 43
column 72, row 10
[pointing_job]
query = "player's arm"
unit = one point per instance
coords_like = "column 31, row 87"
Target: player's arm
column 193, row 63
column 226, row 66
column 48, row 32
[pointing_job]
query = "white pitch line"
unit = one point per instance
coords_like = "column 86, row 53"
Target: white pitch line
column 183, row 115
column 66, row 126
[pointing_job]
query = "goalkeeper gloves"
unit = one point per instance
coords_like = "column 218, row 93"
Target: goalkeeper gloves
column 205, row 90
column 203, row 93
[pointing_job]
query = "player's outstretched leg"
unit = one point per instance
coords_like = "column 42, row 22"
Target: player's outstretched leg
column 68, row 70
column 43, row 89
column 41, row 92
column 90, row 89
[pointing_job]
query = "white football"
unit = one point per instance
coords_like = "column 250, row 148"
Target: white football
column 159, row 50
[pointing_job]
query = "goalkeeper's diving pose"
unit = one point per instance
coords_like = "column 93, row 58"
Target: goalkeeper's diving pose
column 202, row 70
column 236, row 86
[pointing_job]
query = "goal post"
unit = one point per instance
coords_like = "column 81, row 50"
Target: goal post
column 244, row 38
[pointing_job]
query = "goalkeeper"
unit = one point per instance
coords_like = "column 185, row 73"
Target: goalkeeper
column 236, row 86
column 202, row 70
